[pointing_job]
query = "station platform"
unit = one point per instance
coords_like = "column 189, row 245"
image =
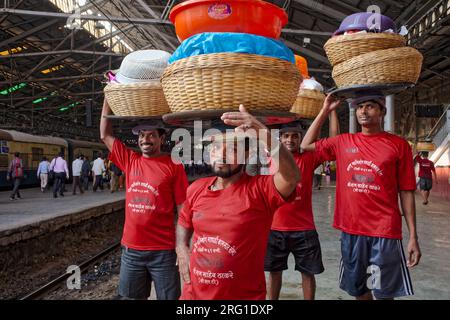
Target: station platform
column 430, row 279
column 39, row 213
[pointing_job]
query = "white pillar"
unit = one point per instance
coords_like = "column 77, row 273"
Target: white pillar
column 389, row 124
column 352, row 119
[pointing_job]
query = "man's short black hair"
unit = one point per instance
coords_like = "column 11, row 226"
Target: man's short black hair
column 17, row 154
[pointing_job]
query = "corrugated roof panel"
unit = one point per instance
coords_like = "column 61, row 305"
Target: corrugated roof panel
column 25, row 137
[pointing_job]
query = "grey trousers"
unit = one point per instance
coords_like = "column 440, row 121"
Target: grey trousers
column 16, row 185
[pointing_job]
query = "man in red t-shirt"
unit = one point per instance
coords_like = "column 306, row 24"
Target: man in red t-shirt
column 229, row 215
column 374, row 168
column 155, row 188
column 293, row 229
column 426, row 173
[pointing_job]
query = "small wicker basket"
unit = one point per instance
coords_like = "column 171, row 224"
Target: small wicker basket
column 344, row 47
column 226, row 80
column 308, row 103
column 425, row 146
column 398, row 65
column 137, row 99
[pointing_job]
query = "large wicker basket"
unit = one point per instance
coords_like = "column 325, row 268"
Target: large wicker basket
column 137, row 99
column 425, row 146
column 344, row 47
column 226, row 80
column 308, row 103
column 398, row 65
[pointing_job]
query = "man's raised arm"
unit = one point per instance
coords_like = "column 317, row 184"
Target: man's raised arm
column 106, row 131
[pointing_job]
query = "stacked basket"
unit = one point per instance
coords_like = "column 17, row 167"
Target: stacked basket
column 362, row 57
column 136, row 90
column 219, row 66
column 309, row 100
column 425, row 146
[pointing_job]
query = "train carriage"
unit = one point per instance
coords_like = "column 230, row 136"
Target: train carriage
column 32, row 148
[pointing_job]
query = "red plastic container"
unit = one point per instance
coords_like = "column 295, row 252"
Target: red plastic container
column 243, row 16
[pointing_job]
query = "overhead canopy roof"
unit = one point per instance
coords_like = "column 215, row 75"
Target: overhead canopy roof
column 53, row 55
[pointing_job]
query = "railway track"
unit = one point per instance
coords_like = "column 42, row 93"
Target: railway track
column 51, row 285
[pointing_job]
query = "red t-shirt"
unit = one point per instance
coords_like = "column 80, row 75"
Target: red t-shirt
column 298, row 215
column 425, row 167
column 231, row 229
column 371, row 170
column 154, row 187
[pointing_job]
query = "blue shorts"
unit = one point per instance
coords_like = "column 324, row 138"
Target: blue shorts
column 138, row 269
column 373, row 264
column 425, row 184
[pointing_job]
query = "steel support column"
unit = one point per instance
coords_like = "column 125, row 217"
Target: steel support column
column 389, row 124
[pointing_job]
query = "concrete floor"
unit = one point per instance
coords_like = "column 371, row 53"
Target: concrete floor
column 431, row 278
column 36, row 206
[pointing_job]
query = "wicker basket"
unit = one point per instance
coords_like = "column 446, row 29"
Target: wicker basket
column 398, row 65
column 137, row 99
column 225, row 80
column 308, row 103
column 344, row 47
column 425, row 146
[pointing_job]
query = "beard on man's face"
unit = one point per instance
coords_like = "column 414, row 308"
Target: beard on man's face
column 225, row 171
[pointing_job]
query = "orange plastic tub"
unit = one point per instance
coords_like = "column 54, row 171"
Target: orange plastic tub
column 302, row 66
column 243, row 16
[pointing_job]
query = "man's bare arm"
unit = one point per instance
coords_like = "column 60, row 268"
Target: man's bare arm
column 409, row 211
column 183, row 251
column 329, row 106
column 106, row 131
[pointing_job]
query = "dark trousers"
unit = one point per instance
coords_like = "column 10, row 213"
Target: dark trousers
column 85, row 181
column 317, row 180
column 58, row 184
column 16, row 185
column 77, row 182
column 98, row 182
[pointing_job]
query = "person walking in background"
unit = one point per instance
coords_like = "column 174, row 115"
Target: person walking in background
column 328, row 172
column 16, row 174
column 106, row 176
column 42, row 173
column 85, row 173
column 97, row 169
column 122, row 181
column 115, row 173
column 77, row 164
column 426, row 173
column 59, row 167
column 318, row 176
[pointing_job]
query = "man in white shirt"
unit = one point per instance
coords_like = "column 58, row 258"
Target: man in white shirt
column 76, row 173
column 59, row 167
column 318, row 177
column 42, row 173
column 98, row 168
